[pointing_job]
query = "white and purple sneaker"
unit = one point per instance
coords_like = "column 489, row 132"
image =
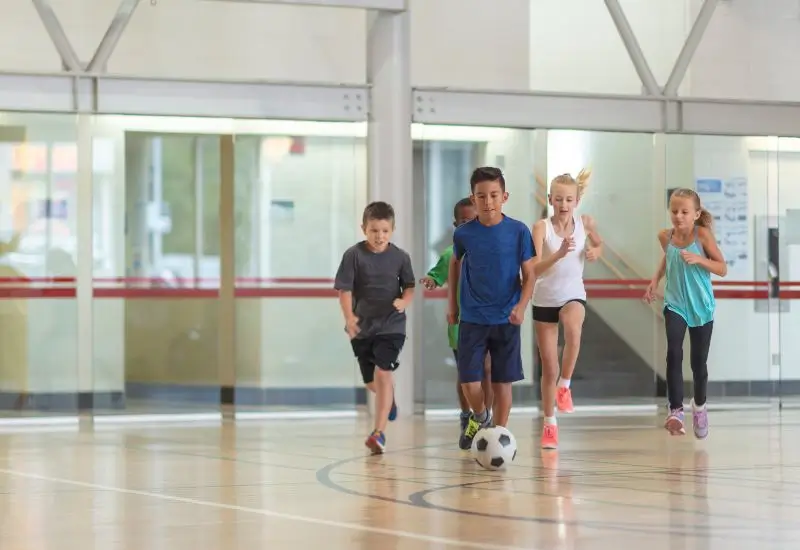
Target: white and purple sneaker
column 674, row 422
column 700, row 421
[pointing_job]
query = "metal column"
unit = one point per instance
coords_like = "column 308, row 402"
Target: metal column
column 389, row 165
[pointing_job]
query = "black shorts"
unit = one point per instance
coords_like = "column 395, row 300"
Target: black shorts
column 551, row 314
column 381, row 351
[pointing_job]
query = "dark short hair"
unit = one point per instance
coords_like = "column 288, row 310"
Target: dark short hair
column 378, row 210
column 459, row 205
column 486, row 173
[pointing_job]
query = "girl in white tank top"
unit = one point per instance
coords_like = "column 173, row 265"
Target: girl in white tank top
column 563, row 242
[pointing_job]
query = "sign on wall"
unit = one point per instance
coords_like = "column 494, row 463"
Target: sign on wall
column 726, row 200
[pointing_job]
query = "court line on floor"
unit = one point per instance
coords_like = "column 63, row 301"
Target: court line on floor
column 268, row 513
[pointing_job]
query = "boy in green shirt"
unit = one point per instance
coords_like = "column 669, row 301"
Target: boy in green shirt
column 463, row 212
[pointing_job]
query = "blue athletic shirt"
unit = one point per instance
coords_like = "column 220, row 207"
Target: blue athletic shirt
column 491, row 256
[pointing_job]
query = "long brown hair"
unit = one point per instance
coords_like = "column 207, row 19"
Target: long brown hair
column 705, row 219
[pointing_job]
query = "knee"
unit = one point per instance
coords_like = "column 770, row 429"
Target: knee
column 572, row 330
column 549, row 372
column 382, row 376
column 674, row 355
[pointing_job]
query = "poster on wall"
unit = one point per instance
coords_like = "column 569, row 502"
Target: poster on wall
column 726, row 199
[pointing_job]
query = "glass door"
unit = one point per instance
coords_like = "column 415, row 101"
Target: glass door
column 785, row 273
column 156, row 272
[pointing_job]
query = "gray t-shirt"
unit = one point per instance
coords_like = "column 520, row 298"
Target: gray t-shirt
column 376, row 281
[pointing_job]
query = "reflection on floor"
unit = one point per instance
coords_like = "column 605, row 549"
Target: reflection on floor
column 305, row 484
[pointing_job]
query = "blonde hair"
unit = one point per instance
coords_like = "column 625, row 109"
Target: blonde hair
column 581, row 181
column 705, row 219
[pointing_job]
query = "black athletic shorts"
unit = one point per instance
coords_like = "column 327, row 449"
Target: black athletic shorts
column 381, row 351
column 551, row 314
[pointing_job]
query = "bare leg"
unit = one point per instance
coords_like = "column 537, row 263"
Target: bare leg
column 488, row 387
column 572, row 316
column 462, row 399
column 547, row 338
column 384, row 396
column 473, row 391
column 502, row 403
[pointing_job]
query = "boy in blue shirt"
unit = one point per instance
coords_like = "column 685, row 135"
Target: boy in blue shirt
column 489, row 253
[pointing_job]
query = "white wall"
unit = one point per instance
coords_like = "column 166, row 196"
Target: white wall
column 224, row 40
column 570, row 45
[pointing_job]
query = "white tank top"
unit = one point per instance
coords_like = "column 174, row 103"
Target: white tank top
column 564, row 280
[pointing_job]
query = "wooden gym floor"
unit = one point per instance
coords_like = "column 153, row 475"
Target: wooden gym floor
column 310, row 485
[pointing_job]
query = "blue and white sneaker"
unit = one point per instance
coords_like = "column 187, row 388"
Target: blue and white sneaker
column 376, row 442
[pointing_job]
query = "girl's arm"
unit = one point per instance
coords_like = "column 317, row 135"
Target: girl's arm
column 650, row 293
column 596, row 250
column 663, row 237
column 715, row 261
column 540, row 265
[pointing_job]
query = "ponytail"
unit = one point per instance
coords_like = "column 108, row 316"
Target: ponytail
column 581, row 181
column 706, row 219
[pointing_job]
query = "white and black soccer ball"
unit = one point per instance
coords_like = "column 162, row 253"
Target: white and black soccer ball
column 494, row 448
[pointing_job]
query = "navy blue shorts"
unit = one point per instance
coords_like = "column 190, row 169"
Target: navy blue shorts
column 502, row 342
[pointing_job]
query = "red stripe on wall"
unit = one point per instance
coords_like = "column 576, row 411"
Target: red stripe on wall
column 297, row 287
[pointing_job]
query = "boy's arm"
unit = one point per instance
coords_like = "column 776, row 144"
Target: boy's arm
column 344, row 283
column 527, row 263
column 441, row 271
column 407, row 282
column 453, row 274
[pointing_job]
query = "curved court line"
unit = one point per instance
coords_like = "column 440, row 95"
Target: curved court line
column 269, row 513
column 689, row 529
column 417, row 500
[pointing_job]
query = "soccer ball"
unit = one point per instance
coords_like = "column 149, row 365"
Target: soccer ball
column 494, row 448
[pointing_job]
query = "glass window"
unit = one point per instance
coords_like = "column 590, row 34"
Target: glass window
column 38, row 245
column 300, row 190
column 156, row 192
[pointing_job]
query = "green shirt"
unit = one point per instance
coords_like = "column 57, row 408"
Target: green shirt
column 439, row 274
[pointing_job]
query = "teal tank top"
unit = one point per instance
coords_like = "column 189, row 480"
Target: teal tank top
column 688, row 290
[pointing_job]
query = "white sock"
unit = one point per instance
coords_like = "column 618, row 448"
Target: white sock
column 550, row 420
column 695, row 407
column 563, row 382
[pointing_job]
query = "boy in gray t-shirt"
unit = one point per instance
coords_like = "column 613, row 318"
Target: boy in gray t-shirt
column 376, row 284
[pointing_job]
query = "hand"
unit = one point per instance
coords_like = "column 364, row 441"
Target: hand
column 592, row 254
column 452, row 316
column 517, row 315
column 690, row 257
column 400, row 305
column 428, row 283
column 651, row 293
column 567, row 246
column 351, row 327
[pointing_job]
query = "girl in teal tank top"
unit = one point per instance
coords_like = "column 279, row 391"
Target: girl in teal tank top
column 687, row 290
column 691, row 255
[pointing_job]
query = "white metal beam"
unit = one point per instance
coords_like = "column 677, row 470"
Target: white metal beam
column 113, row 33
column 102, row 94
column 743, row 118
column 538, row 110
column 613, row 113
column 69, row 59
column 690, row 47
column 632, row 46
column 379, row 5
